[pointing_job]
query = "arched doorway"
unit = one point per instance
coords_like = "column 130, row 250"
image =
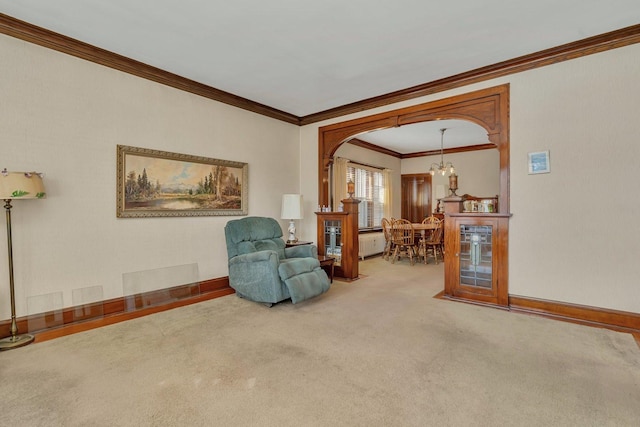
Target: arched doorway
column 488, row 108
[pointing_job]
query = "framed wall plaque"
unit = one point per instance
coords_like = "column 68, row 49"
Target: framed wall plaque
column 539, row 162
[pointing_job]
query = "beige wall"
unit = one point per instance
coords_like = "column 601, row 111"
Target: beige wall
column 478, row 172
column 574, row 234
column 586, row 112
column 64, row 116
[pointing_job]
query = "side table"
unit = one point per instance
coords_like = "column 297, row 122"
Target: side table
column 327, row 264
column 298, row 243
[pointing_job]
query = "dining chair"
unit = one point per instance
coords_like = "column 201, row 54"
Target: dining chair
column 428, row 220
column 388, row 239
column 403, row 240
column 433, row 243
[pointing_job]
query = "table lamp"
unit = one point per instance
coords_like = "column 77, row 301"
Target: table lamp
column 16, row 186
column 291, row 210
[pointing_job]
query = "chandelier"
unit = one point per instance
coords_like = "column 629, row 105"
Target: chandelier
column 442, row 167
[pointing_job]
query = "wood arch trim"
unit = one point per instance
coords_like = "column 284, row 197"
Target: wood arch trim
column 488, row 108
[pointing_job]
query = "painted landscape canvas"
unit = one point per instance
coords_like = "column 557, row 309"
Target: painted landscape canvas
column 158, row 183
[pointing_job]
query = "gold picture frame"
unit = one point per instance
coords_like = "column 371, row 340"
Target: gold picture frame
column 154, row 183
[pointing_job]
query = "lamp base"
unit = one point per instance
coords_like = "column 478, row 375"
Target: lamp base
column 292, row 232
column 16, row 341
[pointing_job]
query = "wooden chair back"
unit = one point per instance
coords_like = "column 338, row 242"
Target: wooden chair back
column 386, row 229
column 436, row 235
column 434, row 243
column 388, row 243
column 403, row 233
column 403, row 240
column 430, row 220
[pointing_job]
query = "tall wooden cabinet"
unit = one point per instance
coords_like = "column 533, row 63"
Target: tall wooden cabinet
column 338, row 238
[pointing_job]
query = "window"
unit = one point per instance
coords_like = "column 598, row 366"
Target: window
column 369, row 186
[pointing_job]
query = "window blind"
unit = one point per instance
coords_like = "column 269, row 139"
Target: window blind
column 369, row 189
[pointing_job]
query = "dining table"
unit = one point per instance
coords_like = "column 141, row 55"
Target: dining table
column 419, row 227
column 422, row 228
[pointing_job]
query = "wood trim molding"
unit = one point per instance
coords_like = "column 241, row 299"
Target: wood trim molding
column 622, row 321
column 49, row 39
column 600, row 43
column 54, row 324
column 450, row 151
column 489, row 108
column 369, row 146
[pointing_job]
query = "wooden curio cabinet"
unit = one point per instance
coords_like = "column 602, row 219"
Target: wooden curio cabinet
column 476, row 262
column 338, row 238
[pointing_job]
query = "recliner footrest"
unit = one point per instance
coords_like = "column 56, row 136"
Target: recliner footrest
column 307, row 285
column 292, row 267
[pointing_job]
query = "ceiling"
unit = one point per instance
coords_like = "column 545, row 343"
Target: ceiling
column 426, row 136
column 304, row 57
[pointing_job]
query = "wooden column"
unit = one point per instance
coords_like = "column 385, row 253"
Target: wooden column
column 452, row 204
column 350, row 235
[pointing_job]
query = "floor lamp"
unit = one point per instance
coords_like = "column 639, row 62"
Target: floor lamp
column 15, row 186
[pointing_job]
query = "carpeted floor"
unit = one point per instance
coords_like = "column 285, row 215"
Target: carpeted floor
column 379, row 351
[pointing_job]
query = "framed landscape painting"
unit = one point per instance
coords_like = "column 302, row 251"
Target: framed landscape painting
column 153, row 183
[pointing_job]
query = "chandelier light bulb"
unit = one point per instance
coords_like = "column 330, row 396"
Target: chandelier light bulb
column 441, row 167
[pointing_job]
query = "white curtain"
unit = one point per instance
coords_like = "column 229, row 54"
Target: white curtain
column 339, row 189
column 387, row 193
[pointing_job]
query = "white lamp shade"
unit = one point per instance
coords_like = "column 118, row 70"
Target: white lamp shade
column 439, row 191
column 291, row 206
column 21, row 185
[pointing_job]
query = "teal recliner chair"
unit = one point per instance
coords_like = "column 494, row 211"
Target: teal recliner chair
column 262, row 269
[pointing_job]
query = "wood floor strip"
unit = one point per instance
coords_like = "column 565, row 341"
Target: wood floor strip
column 594, row 316
column 74, row 328
column 70, row 320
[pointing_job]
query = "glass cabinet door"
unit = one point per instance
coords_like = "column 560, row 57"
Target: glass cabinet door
column 476, row 256
column 476, row 265
column 333, row 240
